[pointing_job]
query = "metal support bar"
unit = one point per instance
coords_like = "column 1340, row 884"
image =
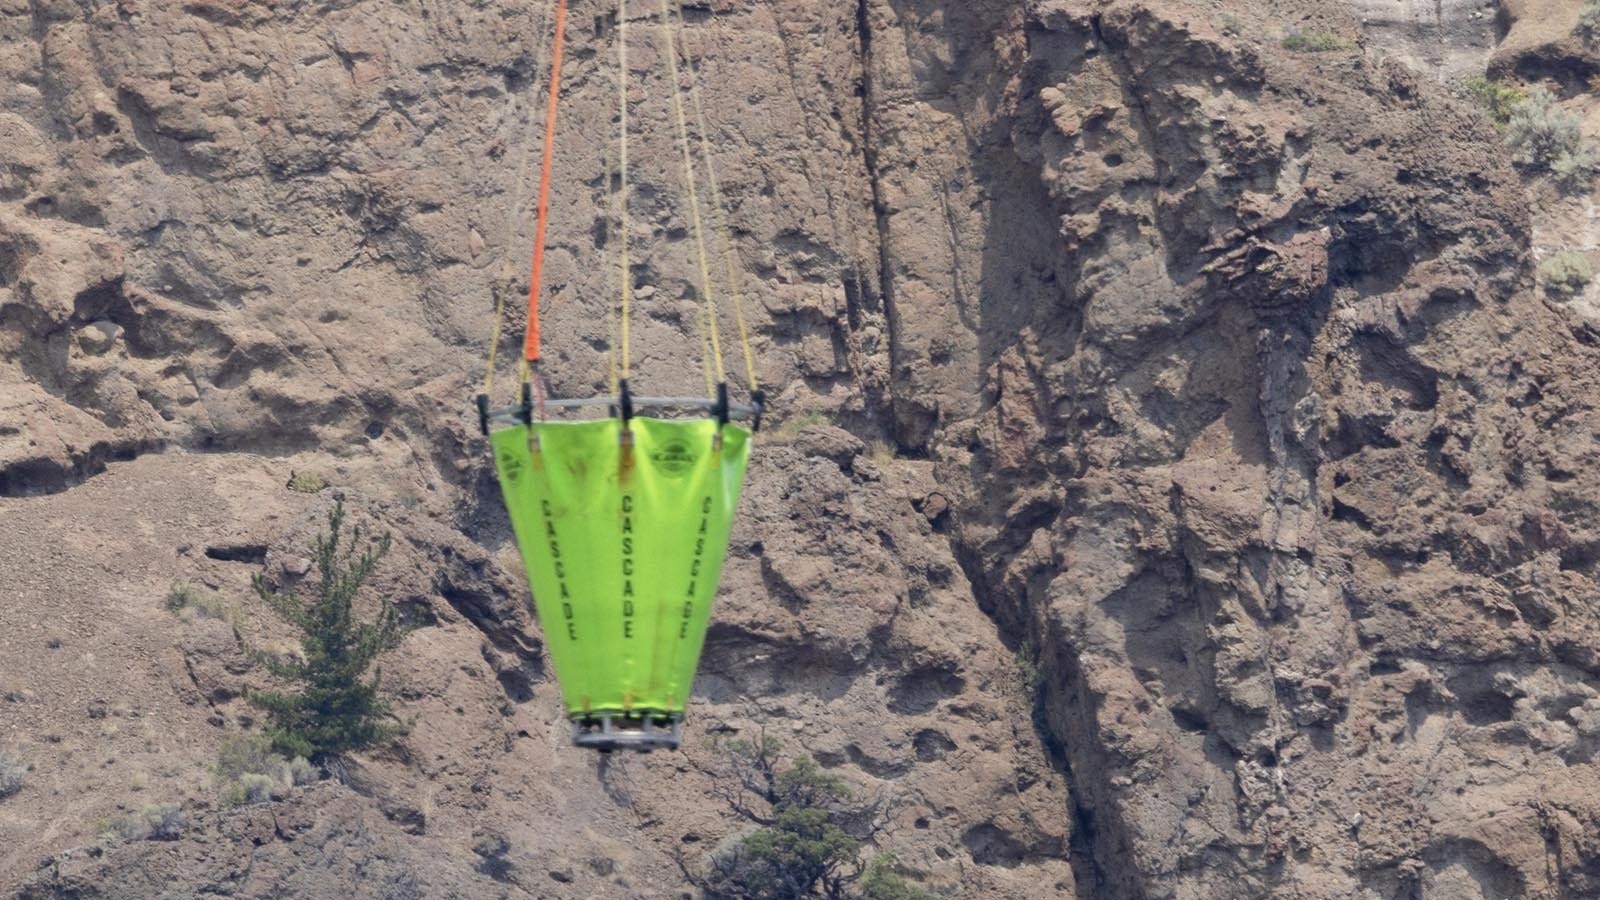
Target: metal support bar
column 608, row 733
column 513, row 415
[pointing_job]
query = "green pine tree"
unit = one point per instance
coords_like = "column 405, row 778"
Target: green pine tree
column 334, row 709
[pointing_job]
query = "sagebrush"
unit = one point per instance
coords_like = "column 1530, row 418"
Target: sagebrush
column 1589, row 22
column 1566, row 273
column 1314, row 42
column 165, row 821
column 12, row 776
column 249, row 770
column 1543, row 136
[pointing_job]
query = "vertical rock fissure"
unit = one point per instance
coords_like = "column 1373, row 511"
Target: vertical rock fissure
column 1016, row 631
column 880, row 213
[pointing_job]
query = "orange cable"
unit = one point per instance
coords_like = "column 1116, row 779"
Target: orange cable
column 530, row 347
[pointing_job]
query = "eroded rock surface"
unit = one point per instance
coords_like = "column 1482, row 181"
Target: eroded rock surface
column 1175, row 488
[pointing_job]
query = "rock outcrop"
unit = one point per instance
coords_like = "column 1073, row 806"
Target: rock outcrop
column 1176, row 485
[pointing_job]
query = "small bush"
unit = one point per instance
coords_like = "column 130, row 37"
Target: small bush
column 302, row 772
column 885, row 880
column 257, row 788
column 249, row 754
column 1231, row 24
column 800, row 422
column 166, row 821
column 1027, row 672
column 122, row 830
column 1540, row 132
column 1589, row 23
column 1314, row 42
column 1497, row 98
column 12, row 775
column 306, row 482
column 1566, row 274
column 194, row 603
column 252, row 772
column 1575, row 171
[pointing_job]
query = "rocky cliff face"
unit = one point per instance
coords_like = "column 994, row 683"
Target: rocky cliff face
column 1177, row 484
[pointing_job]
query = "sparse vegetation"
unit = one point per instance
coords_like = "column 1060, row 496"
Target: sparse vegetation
column 1028, row 671
column 256, row 788
column 335, row 708
column 886, row 880
column 807, row 837
column 251, row 771
column 1566, row 273
column 196, row 603
column 250, row 753
column 1589, row 23
column 165, row 821
column 12, row 776
column 1575, row 171
column 1231, row 24
column 1543, row 136
column 1497, row 98
column 307, row 482
column 302, row 772
column 1314, row 42
column 799, row 422
column 123, row 829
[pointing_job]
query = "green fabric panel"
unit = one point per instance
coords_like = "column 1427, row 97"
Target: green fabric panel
column 623, row 550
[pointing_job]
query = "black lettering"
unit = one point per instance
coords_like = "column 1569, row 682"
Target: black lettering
column 627, row 629
column 627, row 503
column 559, row 568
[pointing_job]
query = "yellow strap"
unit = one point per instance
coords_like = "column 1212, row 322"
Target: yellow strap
column 626, row 267
column 715, row 354
column 609, row 234
column 718, row 209
column 502, row 282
